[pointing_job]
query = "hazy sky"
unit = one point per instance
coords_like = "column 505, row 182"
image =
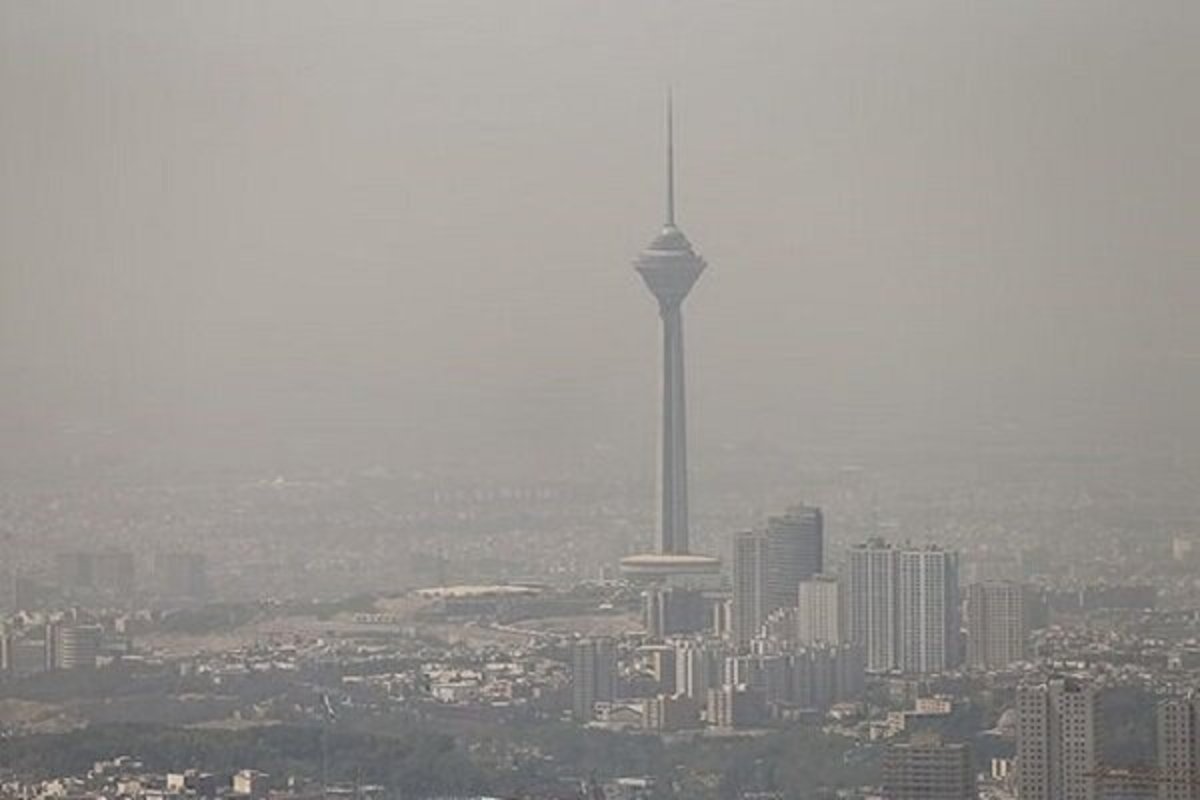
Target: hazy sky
column 412, row 222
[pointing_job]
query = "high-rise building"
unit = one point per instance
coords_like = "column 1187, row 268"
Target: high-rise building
column 668, row 611
column 671, row 713
column 929, row 627
column 818, row 611
column 780, row 628
column 735, row 707
column 871, row 603
column 182, row 575
column 751, row 598
column 22, row 654
column 797, row 549
column 659, row 661
column 1178, row 722
column 997, row 624
column 903, row 607
column 74, row 646
column 75, row 571
column 115, row 573
column 928, row 769
column 593, row 675
column 1056, row 741
column 697, row 667
column 803, row 679
column 826, row 674
column 104, row 573
column 25, row 593
column 721, row 624
column 850, row 674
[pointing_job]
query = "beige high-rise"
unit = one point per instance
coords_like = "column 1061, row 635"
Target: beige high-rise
column 751, row 600
column 1056, row 741
column 1179, row 748
column 818, row 611
column 997, row 624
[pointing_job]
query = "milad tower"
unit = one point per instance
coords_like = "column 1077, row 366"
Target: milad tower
column 670, row 267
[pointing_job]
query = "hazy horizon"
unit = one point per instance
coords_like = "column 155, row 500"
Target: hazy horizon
column 247, row 229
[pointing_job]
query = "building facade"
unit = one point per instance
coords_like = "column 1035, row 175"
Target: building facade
column 751, row 598
column 593, row 676
column 997, row 624
column 74, row 646
column 902, row 607
column 928, row 615
column 819, row 611
column 927, row 769
column 672, row 610
column 796, row 540
column 1178, row 729
column 1056, row 741
column 697, row 667
column 871, row 603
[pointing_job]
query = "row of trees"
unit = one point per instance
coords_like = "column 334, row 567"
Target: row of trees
column 417, row 759
column 414, row 764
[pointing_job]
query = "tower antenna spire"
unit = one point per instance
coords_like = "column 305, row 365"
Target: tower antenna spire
column 670, row 159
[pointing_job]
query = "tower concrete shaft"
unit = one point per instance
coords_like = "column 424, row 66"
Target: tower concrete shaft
column 673, row 480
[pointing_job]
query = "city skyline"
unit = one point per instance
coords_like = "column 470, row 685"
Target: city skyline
column 344, row 458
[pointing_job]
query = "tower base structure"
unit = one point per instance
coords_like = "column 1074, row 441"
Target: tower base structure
column 672, row 569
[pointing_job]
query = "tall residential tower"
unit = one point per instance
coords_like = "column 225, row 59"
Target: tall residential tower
column 751, row 574
column 796, row 541
column 1179, row 747
column 927, row 610
column 871, row 618
column 997, row 624
column 593, row 675
column 1056, row 741
column 903, row 607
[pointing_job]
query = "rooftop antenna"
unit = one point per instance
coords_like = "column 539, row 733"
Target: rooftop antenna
column 670, row 160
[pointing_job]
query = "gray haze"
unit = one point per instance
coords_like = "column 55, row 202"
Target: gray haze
column 276, row 232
